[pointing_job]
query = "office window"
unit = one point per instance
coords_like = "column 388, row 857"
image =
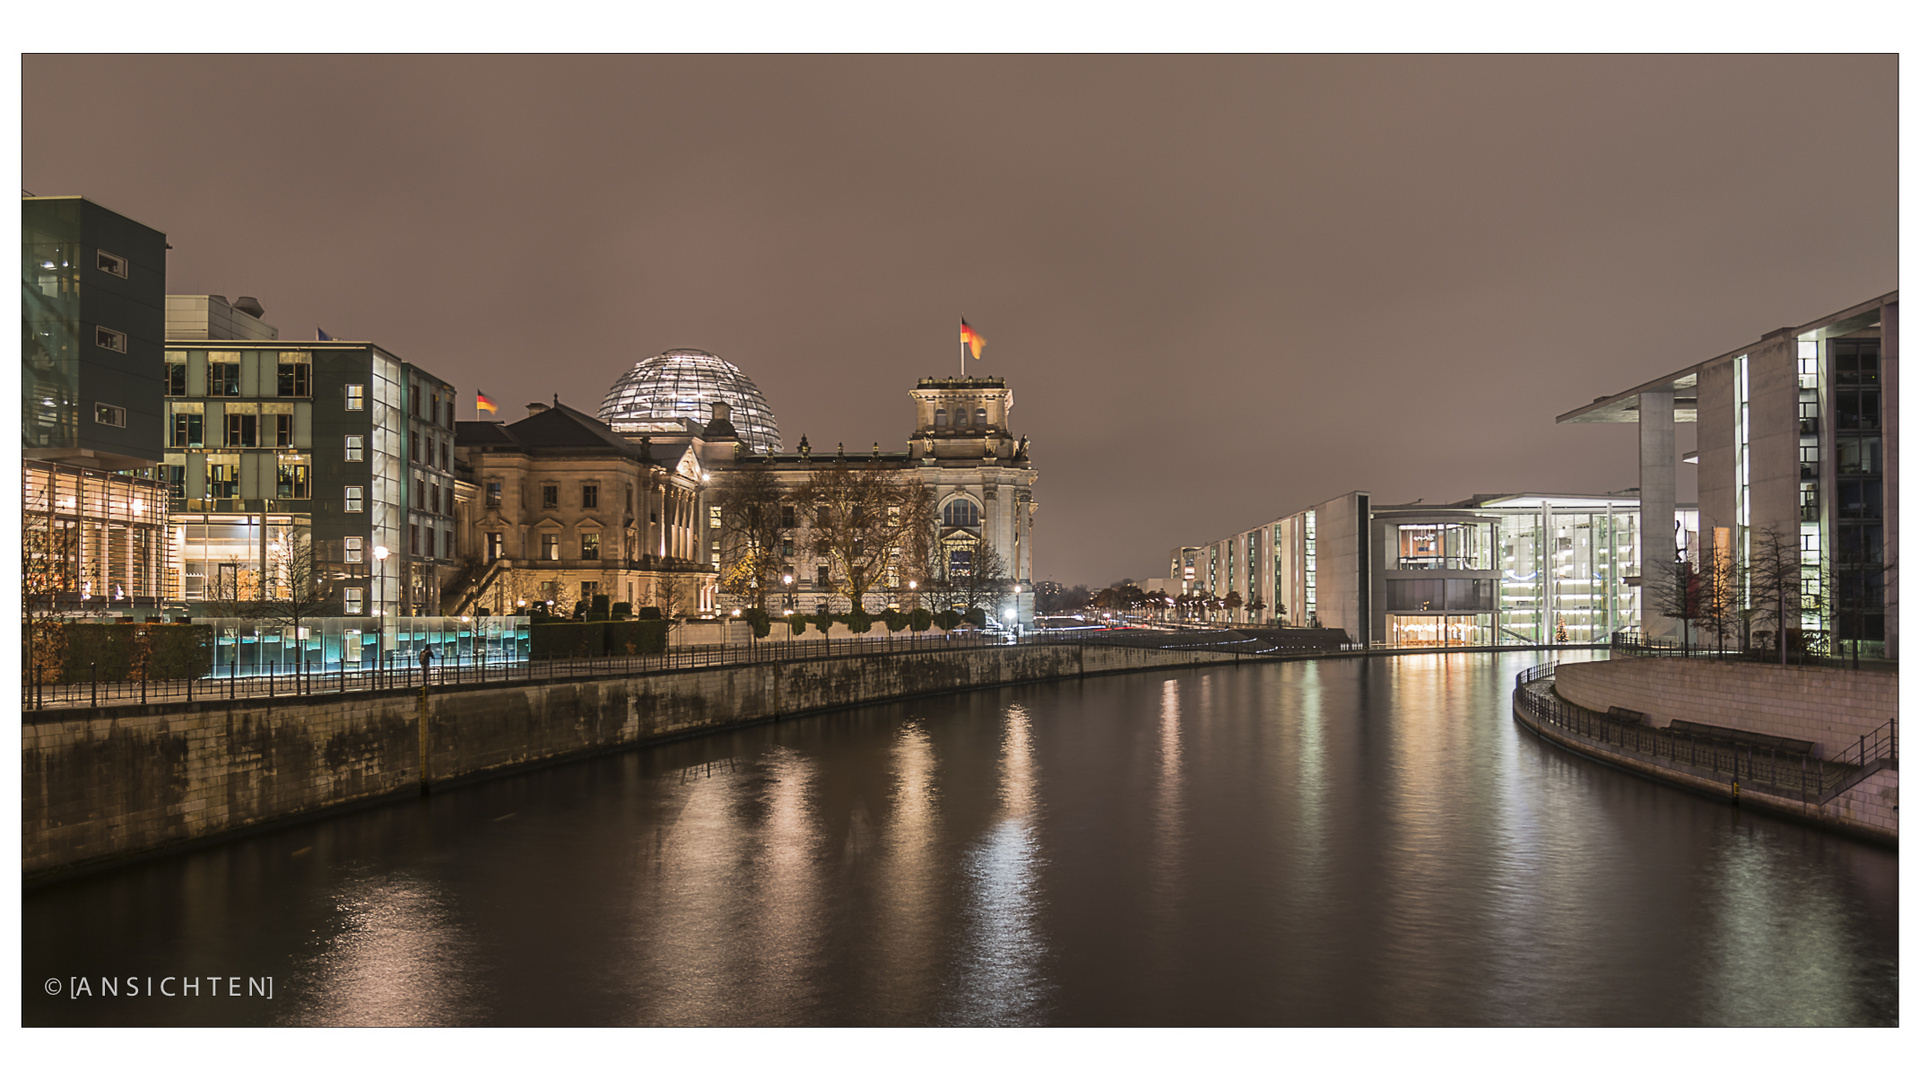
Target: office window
column 223, row 478
column 351, row 599
column 550, row 546
column 112, row 340
column 109, row 415
column 590, row 496
column 590, row 545
column 283, row 429
column 223, row 377
column 110, row 263
column 355, row 549
column 549, row 496
column 176, row 481
column 296, row 377
column 356, row 448
column 356, row 397
column 354, row 496
column 493, row 493
column 243, row 429
column 293, row 481
column 176, row 378
column 496, row 546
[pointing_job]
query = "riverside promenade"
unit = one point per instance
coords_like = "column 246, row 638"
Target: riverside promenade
column 1853, row 787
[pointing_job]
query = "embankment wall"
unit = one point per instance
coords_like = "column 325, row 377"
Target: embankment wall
column 99, row 786
column 1829, row 707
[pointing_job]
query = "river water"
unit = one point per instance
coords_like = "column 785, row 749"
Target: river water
column 1346, row 842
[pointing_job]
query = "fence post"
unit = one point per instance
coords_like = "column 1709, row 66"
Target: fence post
column 93, row 677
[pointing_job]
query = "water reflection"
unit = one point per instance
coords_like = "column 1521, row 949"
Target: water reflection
column 998, row 977
column 1326, row 843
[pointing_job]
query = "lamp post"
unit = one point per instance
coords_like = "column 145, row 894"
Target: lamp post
column 787, row 580
column 380, row 554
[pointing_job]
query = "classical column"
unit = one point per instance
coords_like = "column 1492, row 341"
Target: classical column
column 1656, row 510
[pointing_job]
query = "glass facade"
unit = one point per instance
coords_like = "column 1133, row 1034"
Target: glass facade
column 50, row 330
column 246, row 647
column 685, row 384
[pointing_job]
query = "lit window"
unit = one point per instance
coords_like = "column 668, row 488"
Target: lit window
column 356, row 397
column 296, row 375
column 223, row 378
column 109, row 415
column 177, row 378
column 550, row 546
column 493, row 493
column 355, row 546
column 590, row 545
column 110, row 263
column 110, row 339
column 351, row 598
column 354, row 497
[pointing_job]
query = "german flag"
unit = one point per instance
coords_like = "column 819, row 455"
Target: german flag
column 481, row 403
column 971, row 338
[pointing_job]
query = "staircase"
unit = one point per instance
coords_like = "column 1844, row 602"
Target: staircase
column 488, row 574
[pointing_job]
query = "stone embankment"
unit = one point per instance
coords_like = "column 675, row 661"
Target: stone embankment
column 102, row 785
column 1698, row 724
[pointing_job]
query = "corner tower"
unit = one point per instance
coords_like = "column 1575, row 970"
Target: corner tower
column 980, row 475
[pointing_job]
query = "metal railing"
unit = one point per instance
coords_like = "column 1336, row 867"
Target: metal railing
column 405, row 672
column 1754, row 765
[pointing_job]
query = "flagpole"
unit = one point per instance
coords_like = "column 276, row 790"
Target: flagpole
column 963, row 350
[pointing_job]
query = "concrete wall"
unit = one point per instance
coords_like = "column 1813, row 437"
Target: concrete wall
column 1829, row 707
column 101, row 785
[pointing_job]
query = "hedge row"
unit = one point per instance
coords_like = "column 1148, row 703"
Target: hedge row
column 110, row 652
column 560, row 638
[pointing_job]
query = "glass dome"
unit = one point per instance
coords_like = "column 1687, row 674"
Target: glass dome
column 684, row 383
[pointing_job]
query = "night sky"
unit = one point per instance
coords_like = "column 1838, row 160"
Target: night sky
column 1222, row 288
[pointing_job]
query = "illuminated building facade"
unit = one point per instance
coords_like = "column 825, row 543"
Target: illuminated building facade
column 565, row 508
column 1798, row 435
column 92, row 288
column 1490, row 570
column 275, row 445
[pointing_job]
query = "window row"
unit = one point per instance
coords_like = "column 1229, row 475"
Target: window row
column 959, row 418
column 292, row 374
column 292, row 479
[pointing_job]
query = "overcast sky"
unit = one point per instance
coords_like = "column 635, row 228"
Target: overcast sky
column 1222, row 288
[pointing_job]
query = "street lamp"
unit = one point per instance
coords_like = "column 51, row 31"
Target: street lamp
column 380, row 554
column 787, row 580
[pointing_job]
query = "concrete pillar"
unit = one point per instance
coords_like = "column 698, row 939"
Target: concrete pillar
column 1657, row 458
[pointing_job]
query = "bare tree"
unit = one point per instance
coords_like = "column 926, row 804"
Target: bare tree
column 862, row 521
column 296, row 591
column 986, row 580
column 752, row 530
column 46, row 573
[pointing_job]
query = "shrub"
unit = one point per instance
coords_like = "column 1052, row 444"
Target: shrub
column 629, row 638
column 947, row 620
column 977, row 617
column 896, row 620
column 561, row 637
column 798, row 623
column 651, row 613
column 622, row 610
column 858, row 621
column 599, row 608
column 110, row 651
column 922, row 619
column 761, row 622
column 824, row 621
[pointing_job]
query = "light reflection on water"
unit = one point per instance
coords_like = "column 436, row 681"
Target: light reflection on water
column 1357, row 842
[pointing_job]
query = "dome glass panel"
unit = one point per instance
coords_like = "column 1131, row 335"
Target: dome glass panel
column 684, row 384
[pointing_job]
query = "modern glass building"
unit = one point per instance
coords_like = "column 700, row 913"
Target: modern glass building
column 682, row 385
column 1490, row 570
column 1798, row 437
column 92, row 290
column 339, row 445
